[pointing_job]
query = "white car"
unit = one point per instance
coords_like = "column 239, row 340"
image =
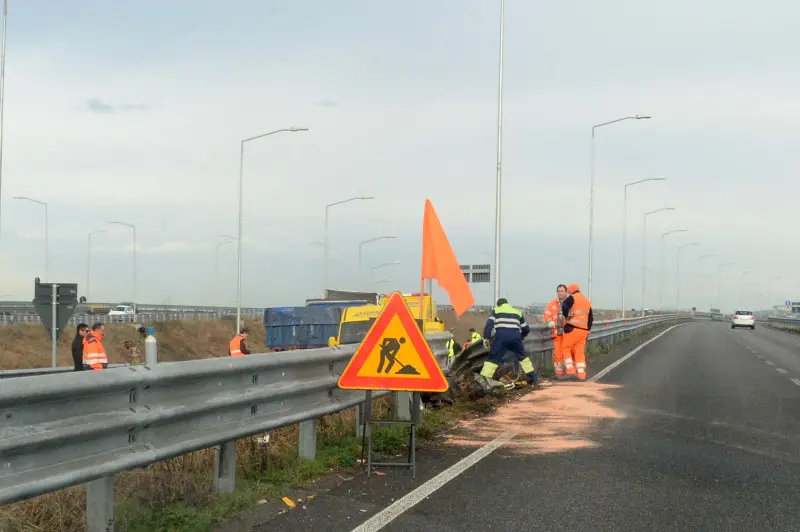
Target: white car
column 119, row 312
column 743, row 318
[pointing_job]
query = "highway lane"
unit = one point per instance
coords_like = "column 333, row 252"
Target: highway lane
column 695, row 432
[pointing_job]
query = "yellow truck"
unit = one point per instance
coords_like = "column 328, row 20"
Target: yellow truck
column 356, row 321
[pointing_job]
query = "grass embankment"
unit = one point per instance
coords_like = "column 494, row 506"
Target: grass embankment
column 28, row 346
column 176, row 495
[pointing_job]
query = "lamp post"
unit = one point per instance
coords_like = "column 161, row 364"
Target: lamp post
column 327, row 207
column 719, row 282
column 393, row 263
column 741, row 282
column 133, row 228
column 89, row 262
column 499, row 179
column 644, row 247
column 46, row 228
column 699, row 268
column 364, row 242
column 239, row 233
column 662, row 268
column 2, row 91
column 625, row 230
column 591, row 192
column 678, row 273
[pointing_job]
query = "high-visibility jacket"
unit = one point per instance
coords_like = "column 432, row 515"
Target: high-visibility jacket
column 94, row 354
column 506, row 323
column 450, row 344
column 552, row 312
column 578, row 314
column 235, row 348
column 475, row 337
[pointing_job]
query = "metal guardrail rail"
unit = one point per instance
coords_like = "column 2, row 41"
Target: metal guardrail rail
column 61, row 430
column 791, row 324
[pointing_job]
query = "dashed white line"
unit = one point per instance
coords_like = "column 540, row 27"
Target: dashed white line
column 760, row 357
column 395, row 510
column 779, row 370
column 770, row 363
column 796, row 381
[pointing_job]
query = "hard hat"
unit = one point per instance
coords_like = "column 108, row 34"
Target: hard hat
column 573, row 287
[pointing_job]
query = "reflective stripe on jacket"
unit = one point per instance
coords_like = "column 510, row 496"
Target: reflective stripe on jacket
column 94, row 354
column 506, row 322
column 552, row 312
column 578, row 315
column 235, row 347
column 450, row 344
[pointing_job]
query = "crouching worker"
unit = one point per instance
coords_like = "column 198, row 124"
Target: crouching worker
column 506, row 325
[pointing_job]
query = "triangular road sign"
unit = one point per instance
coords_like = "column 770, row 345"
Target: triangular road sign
column 394, row 355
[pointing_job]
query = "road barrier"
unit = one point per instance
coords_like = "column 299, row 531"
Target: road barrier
column 789, row 324
column 60, row 430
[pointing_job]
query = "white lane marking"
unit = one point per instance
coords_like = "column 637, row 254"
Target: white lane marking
column 395, row 510
column 796, row 381
column 770, row 363
column 779, row 370
column 603, row 372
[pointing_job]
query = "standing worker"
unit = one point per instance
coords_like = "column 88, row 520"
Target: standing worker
column 577, row 309
column 94, row 354
column 77, row 345
column 238, row 346
column 554, row 319
column 506, row 325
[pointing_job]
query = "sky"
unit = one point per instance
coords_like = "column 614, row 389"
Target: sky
column 135, row 112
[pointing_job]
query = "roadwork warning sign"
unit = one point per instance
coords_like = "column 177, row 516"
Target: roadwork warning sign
column 394, row 355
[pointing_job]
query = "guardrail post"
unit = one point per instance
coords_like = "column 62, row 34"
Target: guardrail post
column 401, row 406
column 307, row 442
column 100, row 505
column 225, row 468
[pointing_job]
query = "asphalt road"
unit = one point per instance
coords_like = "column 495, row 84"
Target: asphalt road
column 700, row 430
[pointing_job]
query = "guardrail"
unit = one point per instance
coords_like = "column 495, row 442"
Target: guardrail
column 789, row 324
column 141, row 317
column 62, row 430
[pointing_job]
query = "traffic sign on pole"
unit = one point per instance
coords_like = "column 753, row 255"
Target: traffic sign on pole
column 66, row 300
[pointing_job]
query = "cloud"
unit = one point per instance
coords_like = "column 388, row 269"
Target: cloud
column 96, row 105
column 328, row 103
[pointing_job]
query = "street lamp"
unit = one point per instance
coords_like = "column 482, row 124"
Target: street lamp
column 89, row 262
column 499, row 179
column 741, row 282
column 699, row 269
column 662, row 268
column 719, row 282
column 46, row 224
column 591, row 193
column 625, row 230
column 228, row 239
column 393, row 263
column 239, row 234
column 364, row 242
column 134, row 261
column 328, row 206
column 644, row 247
column 2, row 88
column 678, row 273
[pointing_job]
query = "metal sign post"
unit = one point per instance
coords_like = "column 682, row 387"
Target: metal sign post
column 54, row 303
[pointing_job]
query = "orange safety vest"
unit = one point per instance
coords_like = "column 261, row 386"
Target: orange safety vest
column 94, row 354
column 553, row 312
column 235, row 348
column 579, row 313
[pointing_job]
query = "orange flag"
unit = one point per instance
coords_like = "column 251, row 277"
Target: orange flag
column 440, row 263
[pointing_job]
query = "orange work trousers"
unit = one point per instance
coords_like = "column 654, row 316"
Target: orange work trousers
column 572, row 349
column 558, row 356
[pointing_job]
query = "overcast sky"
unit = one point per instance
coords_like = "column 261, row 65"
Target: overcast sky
column 134, row 111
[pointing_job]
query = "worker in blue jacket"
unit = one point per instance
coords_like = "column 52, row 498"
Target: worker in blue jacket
column 506, row 325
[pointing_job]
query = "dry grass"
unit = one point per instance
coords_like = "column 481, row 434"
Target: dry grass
column 28, row 346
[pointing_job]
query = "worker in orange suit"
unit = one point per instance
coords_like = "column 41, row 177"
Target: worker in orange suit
column 94, row 354
column 554, row 319
column 577, row 310
column 239, row 346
